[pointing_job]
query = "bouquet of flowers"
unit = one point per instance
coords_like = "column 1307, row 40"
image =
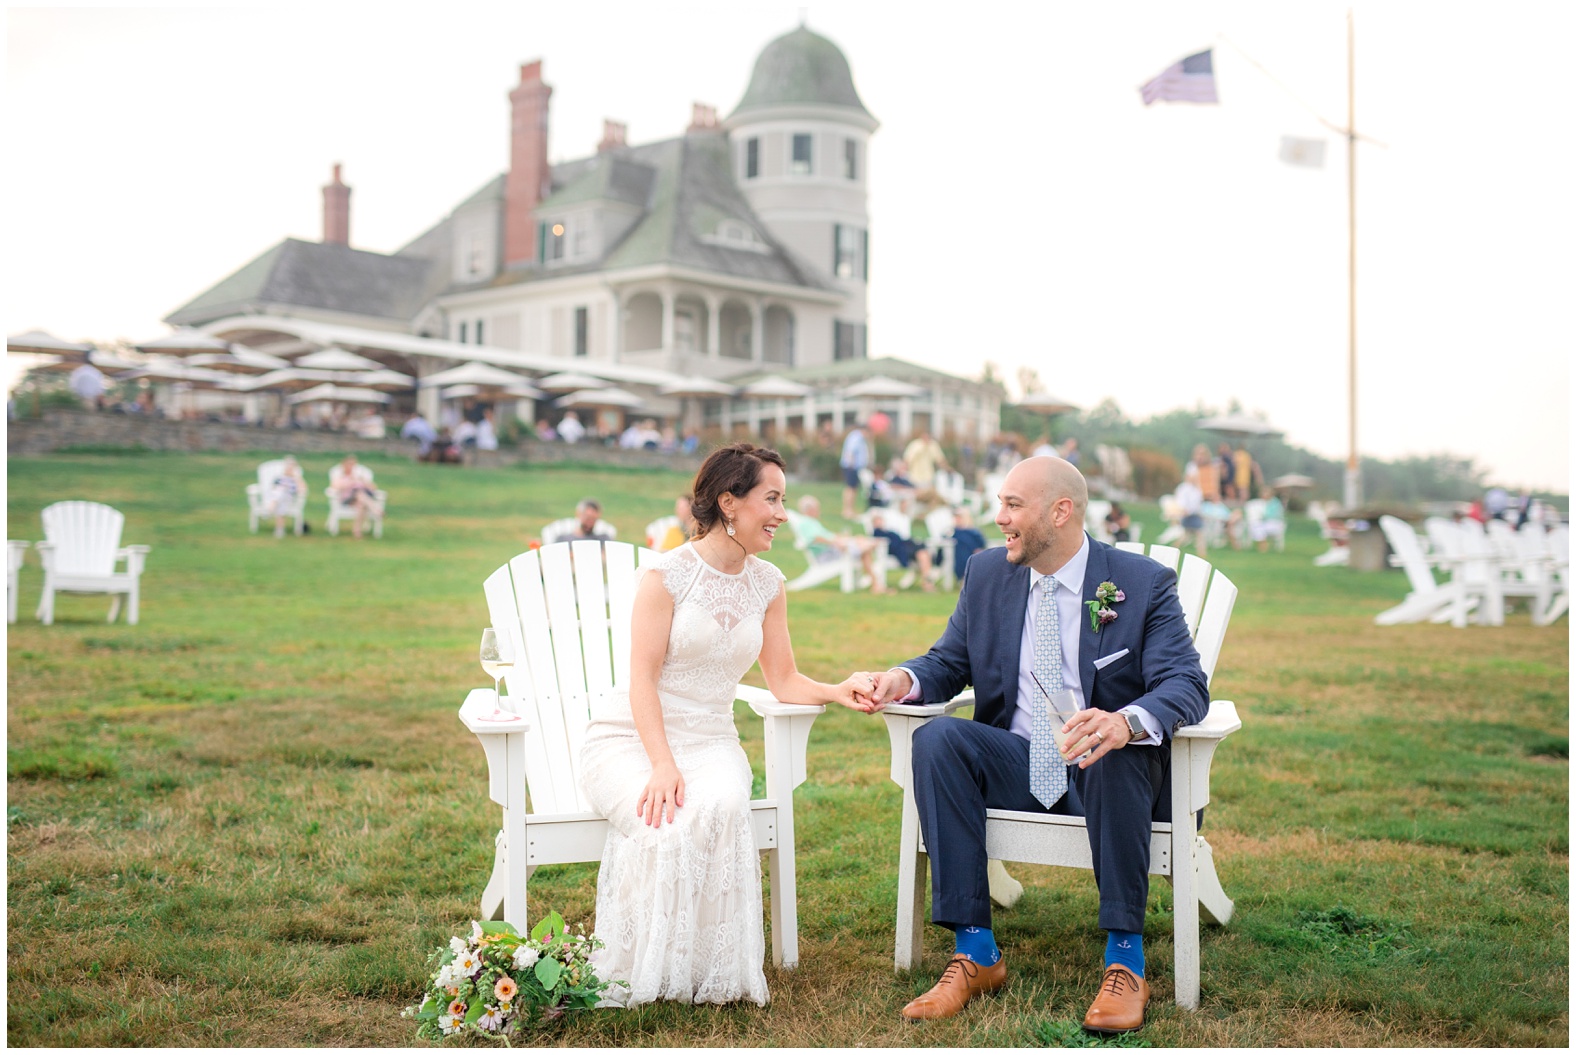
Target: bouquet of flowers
column 497, row 982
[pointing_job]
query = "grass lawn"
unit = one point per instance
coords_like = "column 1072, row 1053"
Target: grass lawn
column 250, row 818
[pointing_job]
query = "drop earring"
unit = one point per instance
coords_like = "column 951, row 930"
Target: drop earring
column 729, row 525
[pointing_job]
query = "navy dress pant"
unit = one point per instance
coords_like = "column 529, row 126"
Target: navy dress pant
column 963, row 767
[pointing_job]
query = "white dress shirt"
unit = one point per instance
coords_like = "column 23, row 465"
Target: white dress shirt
column 1071, row 616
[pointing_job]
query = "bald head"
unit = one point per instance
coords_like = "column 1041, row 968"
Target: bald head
column 1049, row 480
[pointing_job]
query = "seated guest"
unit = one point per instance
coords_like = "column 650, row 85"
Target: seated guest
column 285, row 492
column 465, row 433
column 419, row 429
column 569, row 429
column 825, row 544
column 1273, row 524
column 589, row 522
column 486, row 435
column 966, row 540
column 681, row 532
column 906, row 552
column 1117, row 523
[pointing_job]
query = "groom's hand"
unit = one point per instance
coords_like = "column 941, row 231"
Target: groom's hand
column 890, row 685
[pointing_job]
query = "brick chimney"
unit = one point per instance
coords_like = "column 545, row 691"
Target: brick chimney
column 336, row 211
column 530, row 177
column 703, row 118
column 614, row 135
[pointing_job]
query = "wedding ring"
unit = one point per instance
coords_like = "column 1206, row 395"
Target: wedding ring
column 1099, row 738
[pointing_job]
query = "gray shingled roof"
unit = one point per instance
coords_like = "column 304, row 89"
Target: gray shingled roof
column 801, row 67
column 314, row 275
column 851, row 370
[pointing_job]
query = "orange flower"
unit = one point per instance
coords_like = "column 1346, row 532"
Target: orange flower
column 457, row 1008
column 505, row 989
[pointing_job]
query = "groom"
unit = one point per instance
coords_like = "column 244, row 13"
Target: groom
column 1022, row 633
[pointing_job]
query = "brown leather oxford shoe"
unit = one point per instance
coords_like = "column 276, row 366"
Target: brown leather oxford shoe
column 961, row 982
column 1119, row 1008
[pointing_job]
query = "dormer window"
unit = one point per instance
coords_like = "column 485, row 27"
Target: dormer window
column 801, row 154
column 736, row 234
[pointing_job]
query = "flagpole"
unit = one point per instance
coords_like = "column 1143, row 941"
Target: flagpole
column 1353, row 491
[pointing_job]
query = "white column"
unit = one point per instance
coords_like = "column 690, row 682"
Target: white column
column 905, row 416
column 667, row 320
column 713, row 327
column 809, row 416
column 757, row 331
column 616, row 337
column 427, row 400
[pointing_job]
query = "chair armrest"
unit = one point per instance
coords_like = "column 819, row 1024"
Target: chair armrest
column 931, row 710
column 133, row 556
column 479, row 702
column 46, row 554
column 1221, row 721
column 763, row 703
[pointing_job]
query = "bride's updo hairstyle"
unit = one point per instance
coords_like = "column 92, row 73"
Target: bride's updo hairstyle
column 734, row 469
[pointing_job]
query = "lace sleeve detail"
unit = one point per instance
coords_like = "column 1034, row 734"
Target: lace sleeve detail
column 767, row 579
column 678, row 569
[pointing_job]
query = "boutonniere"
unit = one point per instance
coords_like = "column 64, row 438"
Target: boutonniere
column 1100, row 610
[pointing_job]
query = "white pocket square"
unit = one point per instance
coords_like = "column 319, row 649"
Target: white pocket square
column 1106, row 661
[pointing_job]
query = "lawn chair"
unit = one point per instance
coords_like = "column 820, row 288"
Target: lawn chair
column 1428, row 598
column 1178, row 852
column 827, row 562
column 1335, row 533
column 658, row 530
column 569, row 622
column 1475, row 570
column 1094, row 519
column 568, row 529
column 15, row 550
column 338, row 510
column 257, row 498
column 80, row 551
column 1261, row 528
column 939, row 524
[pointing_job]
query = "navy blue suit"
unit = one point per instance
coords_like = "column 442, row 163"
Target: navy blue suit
column 961, row 768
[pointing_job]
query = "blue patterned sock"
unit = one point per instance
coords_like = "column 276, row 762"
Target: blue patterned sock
column 978, row 944
column 1126, row 948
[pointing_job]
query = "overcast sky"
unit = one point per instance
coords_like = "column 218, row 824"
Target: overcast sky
column 1026, row 208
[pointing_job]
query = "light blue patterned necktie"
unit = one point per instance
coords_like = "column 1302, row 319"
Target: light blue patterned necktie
column 1047, row 768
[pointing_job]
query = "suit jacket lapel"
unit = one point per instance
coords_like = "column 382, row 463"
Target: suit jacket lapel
column 1009, row 647
column 1089, row 640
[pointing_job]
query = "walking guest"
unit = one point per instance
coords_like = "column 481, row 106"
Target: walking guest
column 855, row 456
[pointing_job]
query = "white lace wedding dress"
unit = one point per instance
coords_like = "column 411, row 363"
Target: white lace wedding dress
column 679, row 906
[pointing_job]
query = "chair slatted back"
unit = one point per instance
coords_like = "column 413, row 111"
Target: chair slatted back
column 1409, row 551
column 1207, row 599
column 85, row 536
column 892, row 520
column 567, row 608
column 270, row 471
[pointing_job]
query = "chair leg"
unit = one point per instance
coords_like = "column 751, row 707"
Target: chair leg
column 493, row 893
column 114, row 607
column 46, row 605
column 1184, row 910
column 132, row 598
column 912, row 866
column 1004, row 890
column 1215, row 905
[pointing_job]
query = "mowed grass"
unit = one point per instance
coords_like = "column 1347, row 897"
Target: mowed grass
column 249, row 819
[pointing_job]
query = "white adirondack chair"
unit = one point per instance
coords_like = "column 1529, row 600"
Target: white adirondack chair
column 1261, row 529
column 658, row 530
column 15, row 550
column 939, row 524
column 1177, row 851
column 1339, row 552
column 567, row 610
column 1476, row 572
column 828, row 562
column 1428, row 597
column 1094, row 520
column 338, row 510
column 568, row 529
column 80, row 550
column 257, row 495
column 1526, row 567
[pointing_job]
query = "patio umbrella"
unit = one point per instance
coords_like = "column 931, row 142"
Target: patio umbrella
column 240, row 361
column 775, row 387
column 1045, row 403
column 698, row 386
column 295, row 380
column 385, row 380
column 1291, row 480
column 338, row 394
column 881, row 386
column 38, row 342
column 106, row 360
column 1237, row 425
column 474, row 373
column 569, row 382
column 164, row 368
column 337, row 359
column 465, row 391
column 184, row 341
column 600, row 397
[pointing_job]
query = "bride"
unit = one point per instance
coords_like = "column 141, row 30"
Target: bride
column 679, row 891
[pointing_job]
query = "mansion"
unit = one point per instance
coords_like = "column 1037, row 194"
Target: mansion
column 734, row 252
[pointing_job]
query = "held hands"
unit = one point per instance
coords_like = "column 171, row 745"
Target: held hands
column 1095, row 731
column 888, row 685
column 855, row 692
column 664, row 793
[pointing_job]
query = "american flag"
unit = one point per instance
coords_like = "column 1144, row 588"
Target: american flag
column 1190, row 81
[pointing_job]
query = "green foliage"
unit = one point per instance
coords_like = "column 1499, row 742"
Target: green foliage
column 1067, row 1033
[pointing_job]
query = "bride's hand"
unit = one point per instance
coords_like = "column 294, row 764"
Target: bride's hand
column 664, row 793
column 855, row 692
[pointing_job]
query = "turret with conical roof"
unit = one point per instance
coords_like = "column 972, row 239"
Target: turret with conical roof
column 800, row 138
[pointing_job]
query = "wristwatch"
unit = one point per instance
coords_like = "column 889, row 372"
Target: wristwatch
column 1135, row 728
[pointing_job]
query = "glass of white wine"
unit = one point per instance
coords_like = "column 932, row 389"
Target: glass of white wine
column 498, row 661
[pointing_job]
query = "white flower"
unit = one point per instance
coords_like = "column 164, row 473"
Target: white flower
column 457, row 943
column 491, row 1019
column 450, row 1023
column 467, row 963
column 525, row 958
column 476, row 933
column 449, row 975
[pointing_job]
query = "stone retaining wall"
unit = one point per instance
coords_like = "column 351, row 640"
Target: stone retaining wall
column 62, row 429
